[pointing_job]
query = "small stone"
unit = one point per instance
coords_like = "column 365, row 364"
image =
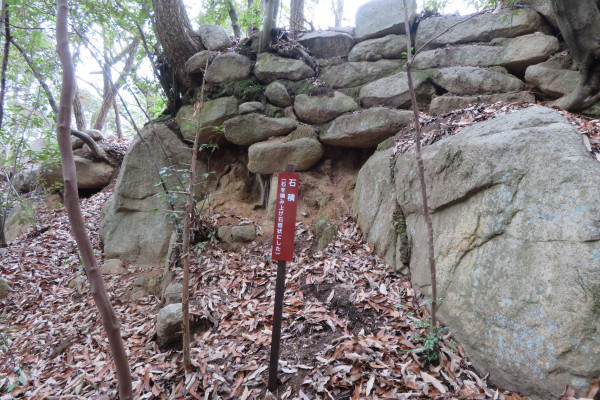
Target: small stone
column 173, row 293
column 250, row 107
column 168, row 324
column 113, row 267
column 4, row 289
column 277, row 94
column 243, row 233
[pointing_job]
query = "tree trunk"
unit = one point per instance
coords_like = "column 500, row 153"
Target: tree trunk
column 111, row 88
column 117, row 119
column 579, row 23
column 5, row 19
column 338, row 12
column 271, row 8
column 97, row 289
column 179, row 42
column 233, row 16
column 297, row 15
column 78, row 111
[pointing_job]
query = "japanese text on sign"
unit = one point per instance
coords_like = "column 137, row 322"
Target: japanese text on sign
column 285, row 216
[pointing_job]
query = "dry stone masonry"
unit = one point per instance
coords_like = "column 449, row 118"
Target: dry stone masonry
column 514, row 200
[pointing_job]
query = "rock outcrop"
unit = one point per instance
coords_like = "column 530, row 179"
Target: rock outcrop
column 516, row 242
column 139, row 201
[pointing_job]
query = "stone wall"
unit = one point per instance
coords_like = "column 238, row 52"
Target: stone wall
column 351, row 93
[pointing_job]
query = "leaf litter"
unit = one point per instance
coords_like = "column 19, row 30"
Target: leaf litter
column 352, row 329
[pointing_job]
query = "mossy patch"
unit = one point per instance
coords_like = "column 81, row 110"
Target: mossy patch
column 272, row 111
column 305, row 86
column 245, row 90
column 353, row 92
column 386, row 144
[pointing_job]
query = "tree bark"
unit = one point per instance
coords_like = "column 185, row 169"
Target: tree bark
column 97, row 289
column 233, row 16
column 297, row 15
column 579, row 23
column 78, row 110
column 178, row 41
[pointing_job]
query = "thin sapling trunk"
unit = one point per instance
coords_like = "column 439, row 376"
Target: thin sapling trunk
column 97, row 289
column 189, row 210
column 421, row 169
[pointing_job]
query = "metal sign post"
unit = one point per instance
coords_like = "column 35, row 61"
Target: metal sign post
column 284, row 229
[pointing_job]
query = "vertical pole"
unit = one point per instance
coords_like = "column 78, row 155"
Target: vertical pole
column 277, row 316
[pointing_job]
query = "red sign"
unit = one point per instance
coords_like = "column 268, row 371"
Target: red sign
column 286, row 204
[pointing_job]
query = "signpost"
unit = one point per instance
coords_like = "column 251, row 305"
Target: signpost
column 284, row 229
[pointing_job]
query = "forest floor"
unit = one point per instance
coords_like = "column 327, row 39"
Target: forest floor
column 352, row 328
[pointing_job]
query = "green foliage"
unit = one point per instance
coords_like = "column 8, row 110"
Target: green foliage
column 434, row 5
column 429, row 339
column 305, row 86
column 216, row 12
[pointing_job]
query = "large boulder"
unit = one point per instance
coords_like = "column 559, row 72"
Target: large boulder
column 392, row 91
column 514, row 54
column 358, row 73
column 139, row 201
column 301, row 149
column 474, row 80
column 212, row 115
column 197, row 63
column 516, row 226
column 388, row 47
column 90, row 174
column 228, row 67
column 214, row 37
column 550, row 81
column 366, row 128
column 321, row 109
column 252, row 128
column 327, row 44
column 378, row 18
column 270, row 67
column 379, row 215
column 449, row 102
column 483, row 28
column 545, row 9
